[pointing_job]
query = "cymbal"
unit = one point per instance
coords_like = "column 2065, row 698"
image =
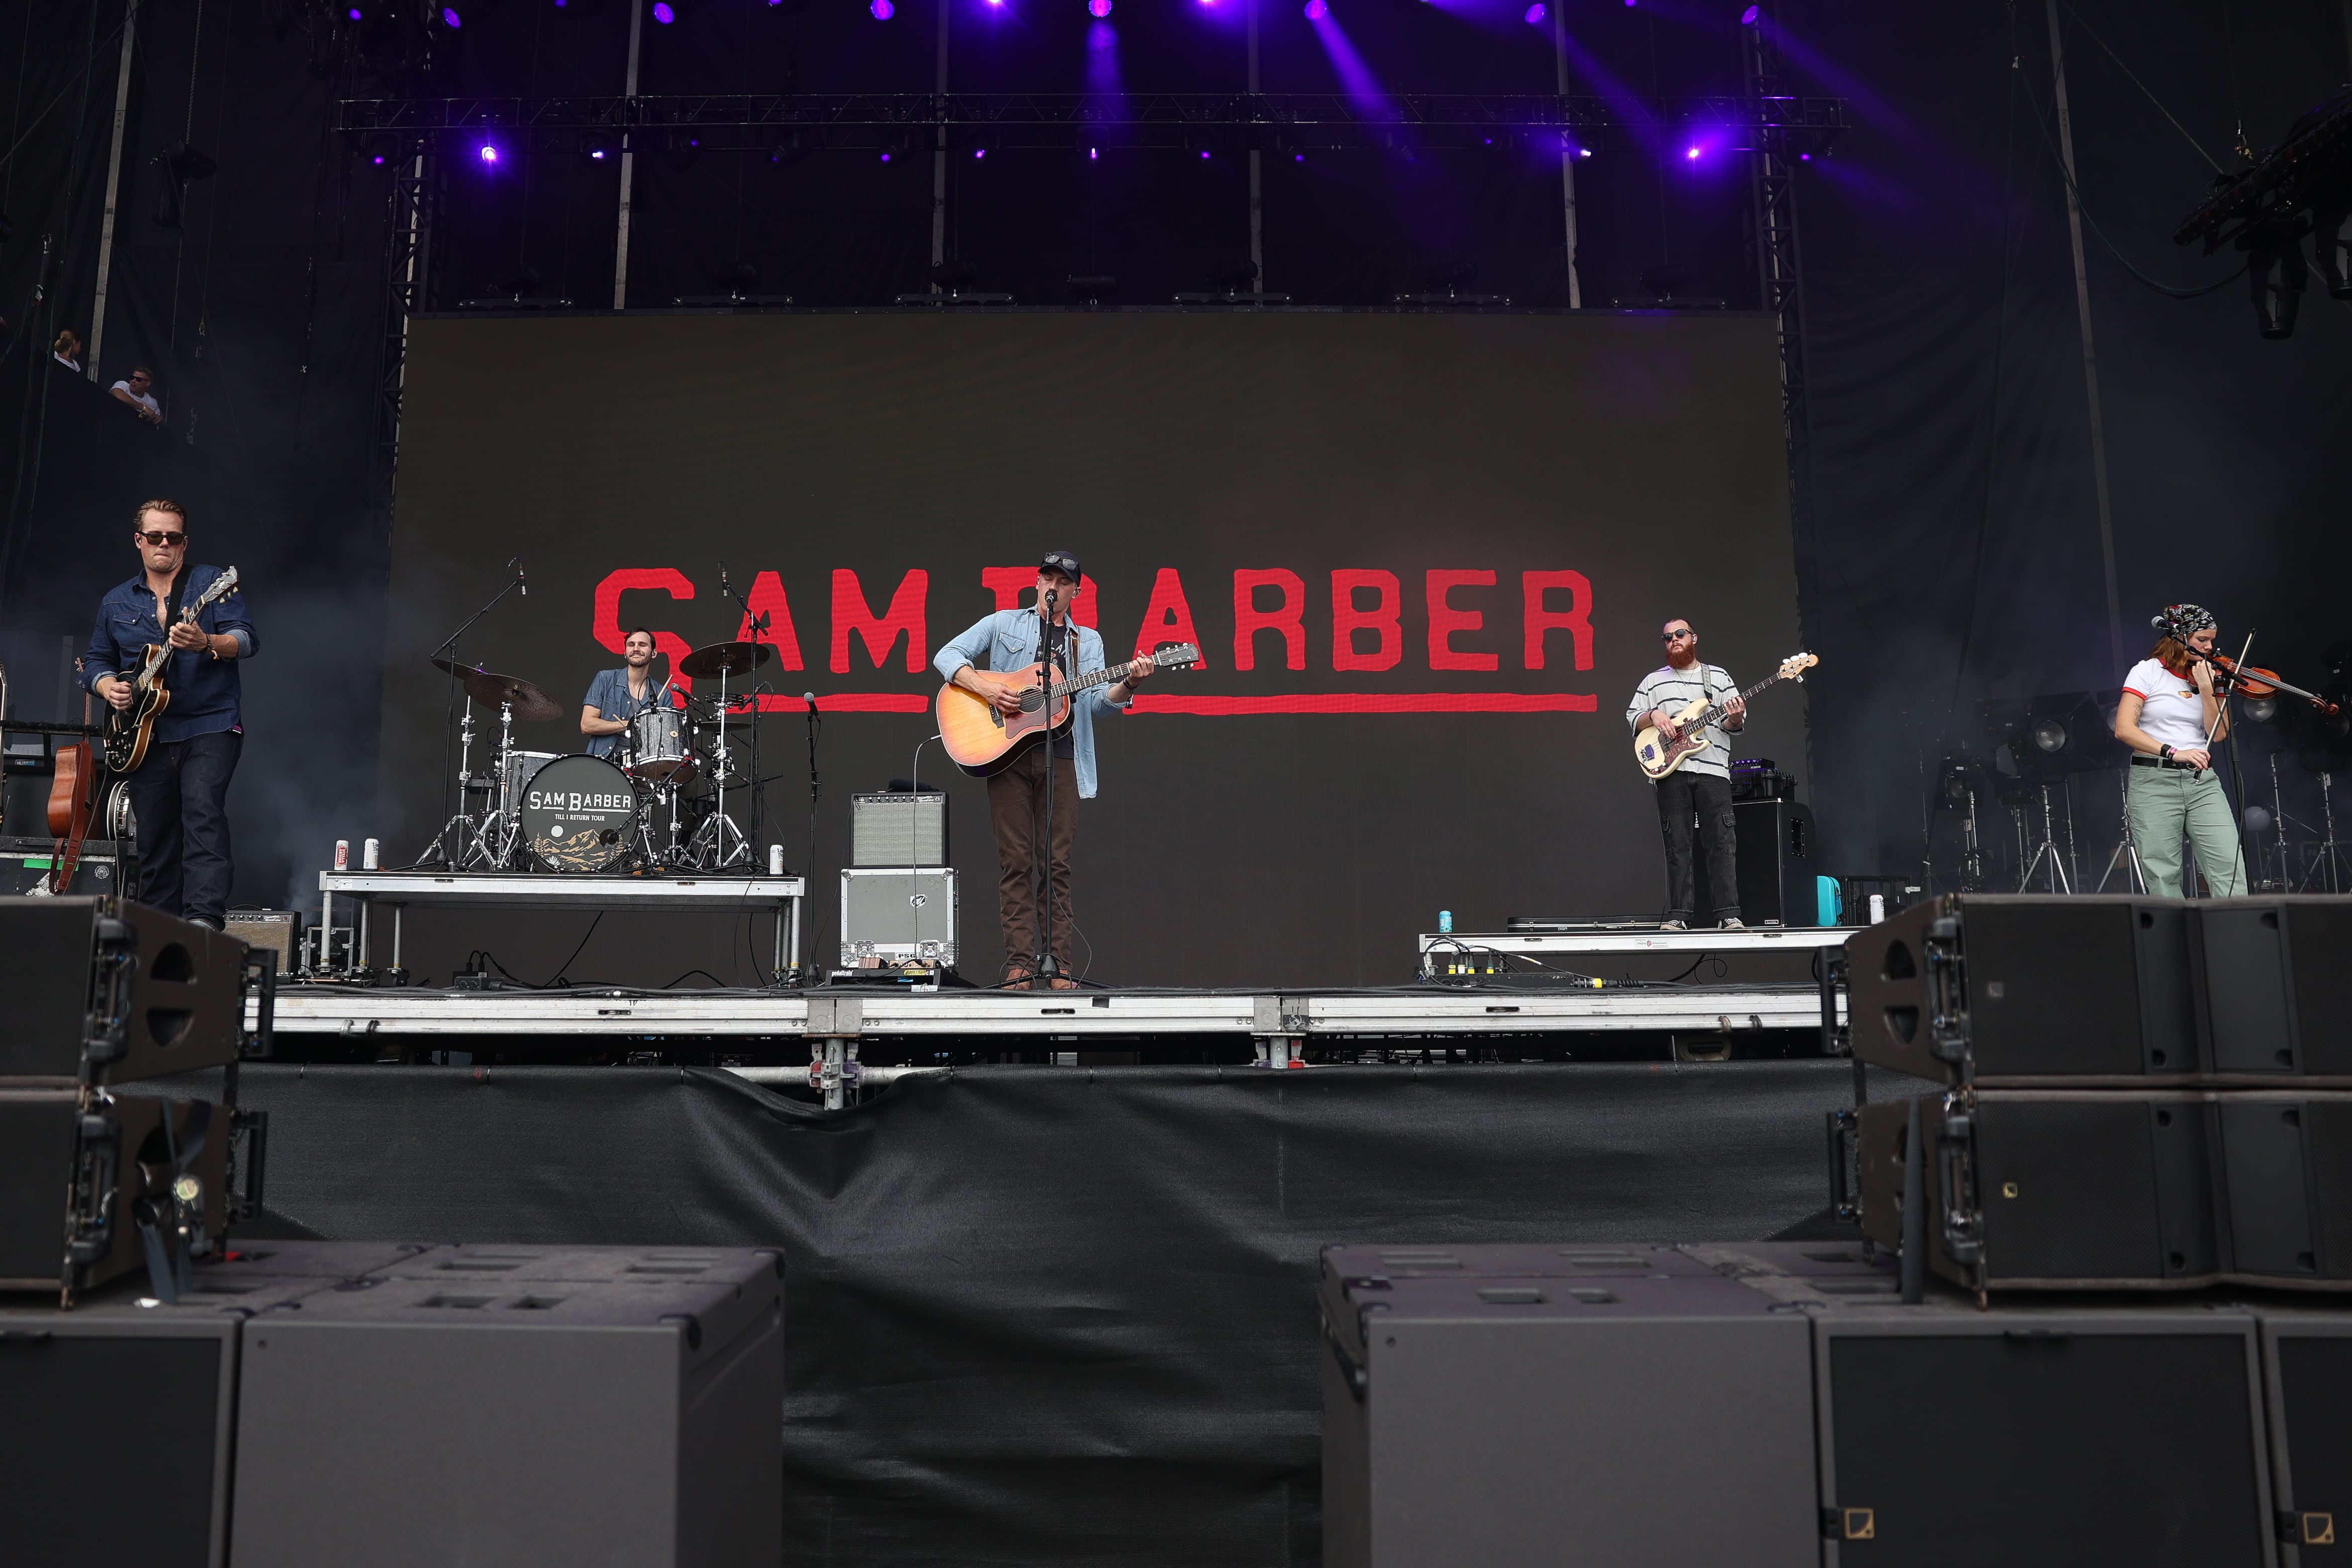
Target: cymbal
column 729, row 659
column 529, row 703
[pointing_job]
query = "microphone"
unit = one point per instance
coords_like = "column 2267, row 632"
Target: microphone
column 521, row 583
column 810, row 698
column 724, row 591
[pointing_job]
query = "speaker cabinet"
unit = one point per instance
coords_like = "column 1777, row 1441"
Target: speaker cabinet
column 79, row 1183
column 539, row 1424
column 1778, row 863
column 1634, row 1418
column 109, row 990
column 2307, row 1375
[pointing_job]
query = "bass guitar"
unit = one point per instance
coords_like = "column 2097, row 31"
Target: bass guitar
column 129, row 730
column 982, row 738
column 1659, row 757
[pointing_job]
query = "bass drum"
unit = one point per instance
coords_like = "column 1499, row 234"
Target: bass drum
column 579, row 814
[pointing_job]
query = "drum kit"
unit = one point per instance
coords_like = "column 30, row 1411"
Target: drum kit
column 658, row 804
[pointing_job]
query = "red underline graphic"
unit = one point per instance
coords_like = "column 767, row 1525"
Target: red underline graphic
column 1309, row 702
column 1369, row 702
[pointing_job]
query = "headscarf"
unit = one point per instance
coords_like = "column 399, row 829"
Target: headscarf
column 2181, row 621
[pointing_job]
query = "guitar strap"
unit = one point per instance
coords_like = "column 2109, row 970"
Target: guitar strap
column 172, row 605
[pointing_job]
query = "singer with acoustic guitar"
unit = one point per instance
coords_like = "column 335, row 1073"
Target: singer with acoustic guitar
column 1008, row 644
column 186, row 698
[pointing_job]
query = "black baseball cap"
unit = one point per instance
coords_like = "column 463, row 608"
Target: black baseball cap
column 1060, row 560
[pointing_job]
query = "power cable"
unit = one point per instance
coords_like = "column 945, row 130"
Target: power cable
column 2139, row 276
column 2143, row 86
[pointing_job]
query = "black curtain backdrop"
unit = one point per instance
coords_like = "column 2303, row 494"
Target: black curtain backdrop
column 1039, row 1314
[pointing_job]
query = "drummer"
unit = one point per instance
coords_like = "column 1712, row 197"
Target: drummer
column 616, row 696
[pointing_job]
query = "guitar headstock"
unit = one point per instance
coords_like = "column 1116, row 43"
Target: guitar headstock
column 220, row 587
column 1174, row 655
column 1793, row 668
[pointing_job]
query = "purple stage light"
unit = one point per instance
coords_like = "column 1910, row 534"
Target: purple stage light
column 1690, row 151
column 378, row 160
column 1298, row 157
column 1093, row 153
column 1748, row 19
column 1205, row 152
column 354, row 13
column 490, row 154
column 882, row 10
column 1584, row 153
column 1098, row 7
column 979, row 151
column 1318, row 9
column 1804, row 157
column 662, row 13
column 1536, row 13
column 885, row 157
column 449, row 16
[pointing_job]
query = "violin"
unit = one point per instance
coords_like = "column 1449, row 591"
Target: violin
column 2253, row 680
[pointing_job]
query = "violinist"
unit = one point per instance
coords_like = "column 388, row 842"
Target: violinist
column 2170, row 717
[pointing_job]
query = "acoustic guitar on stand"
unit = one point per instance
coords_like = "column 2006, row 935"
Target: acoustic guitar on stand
column 129, row 730
column 982, row 738
column 1659, row 757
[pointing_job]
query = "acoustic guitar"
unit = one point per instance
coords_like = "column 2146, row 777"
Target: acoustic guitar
column 1659, row 757
column 982, row 739
column 128, row 730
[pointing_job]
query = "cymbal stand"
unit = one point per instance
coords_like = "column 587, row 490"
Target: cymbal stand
column 2047, row 848
column 719, row 843
column 462, row 823
column 494, row 842
column 2325, row 853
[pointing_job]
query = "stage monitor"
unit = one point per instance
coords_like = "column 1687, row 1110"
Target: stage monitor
column 1426, row 558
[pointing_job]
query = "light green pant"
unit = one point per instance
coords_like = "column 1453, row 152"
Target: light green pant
column 2167, row 804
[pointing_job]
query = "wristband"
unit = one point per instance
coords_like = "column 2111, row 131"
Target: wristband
column 2165, row 752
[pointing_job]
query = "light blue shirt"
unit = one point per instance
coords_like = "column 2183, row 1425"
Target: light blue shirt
column 1008, row 640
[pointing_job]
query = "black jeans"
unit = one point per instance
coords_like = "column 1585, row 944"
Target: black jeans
column 181, row 797
column 1681, row 797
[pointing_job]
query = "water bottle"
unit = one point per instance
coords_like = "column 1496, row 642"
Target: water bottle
column 1446, row 922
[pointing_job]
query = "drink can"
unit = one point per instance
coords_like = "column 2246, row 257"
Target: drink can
column 1445, row 922
column 342, row 854
column 775, row 860
column 369, row 852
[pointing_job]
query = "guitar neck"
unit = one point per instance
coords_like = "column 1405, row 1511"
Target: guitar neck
column 1092, row 678
column 1714, row 710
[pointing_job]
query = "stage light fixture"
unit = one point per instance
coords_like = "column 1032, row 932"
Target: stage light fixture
column 1536, row 13
column 1097, row 8
column 1093, row 153
column 662, row 13
column 885, row 157
column 597, row 146
column 1690, row 152
column 490, row 152
column 882, row 10
column 354, row 13
column 1753, row 14
column 1318, row 9
column 980, row 153
column 2331, row 238
column 450, row 19
column 2275, row 269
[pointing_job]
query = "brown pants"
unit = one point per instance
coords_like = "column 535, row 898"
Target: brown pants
column 1016, row 808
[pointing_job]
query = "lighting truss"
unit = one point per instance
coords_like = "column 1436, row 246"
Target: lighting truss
column 891, row 121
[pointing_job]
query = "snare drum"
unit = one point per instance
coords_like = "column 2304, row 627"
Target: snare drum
column 578, row 814
column 656, row 745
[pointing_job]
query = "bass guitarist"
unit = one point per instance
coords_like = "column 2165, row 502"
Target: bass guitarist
column 1701, row 787
column 1018, row 806
column 180, row 791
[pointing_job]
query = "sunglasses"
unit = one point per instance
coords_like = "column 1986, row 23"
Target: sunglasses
column 1670, row 636
column 163, row 536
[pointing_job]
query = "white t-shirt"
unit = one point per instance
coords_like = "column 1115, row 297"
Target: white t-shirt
column 2171, row 713
column 144, row 400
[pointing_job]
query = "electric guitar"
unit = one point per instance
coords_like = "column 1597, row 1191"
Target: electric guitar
column 1659, row 757
column 982, row 738
column 129, row 730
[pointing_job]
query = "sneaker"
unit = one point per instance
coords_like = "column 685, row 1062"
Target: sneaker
column 206, row 921
column 1673, row 924
column 1731, row 923
column 1063, row 983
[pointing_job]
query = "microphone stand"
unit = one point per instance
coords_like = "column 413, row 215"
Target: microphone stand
column 440, row 852
column 815, row 723
column 1049, row 968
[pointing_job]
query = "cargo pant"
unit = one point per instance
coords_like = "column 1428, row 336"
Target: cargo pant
column 2168, row 804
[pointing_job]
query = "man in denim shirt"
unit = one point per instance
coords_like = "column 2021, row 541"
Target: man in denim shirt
column 180, row 793
column 1009, row 642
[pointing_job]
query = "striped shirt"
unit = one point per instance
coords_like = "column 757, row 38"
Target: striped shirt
column 1673, row 690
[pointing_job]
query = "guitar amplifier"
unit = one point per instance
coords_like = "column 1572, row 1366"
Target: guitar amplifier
column 896, row 915
column 898, row 829
column 278, row 930
column 107, row 867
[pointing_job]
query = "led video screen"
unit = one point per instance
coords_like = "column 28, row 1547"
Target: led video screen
column 1426, row 559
